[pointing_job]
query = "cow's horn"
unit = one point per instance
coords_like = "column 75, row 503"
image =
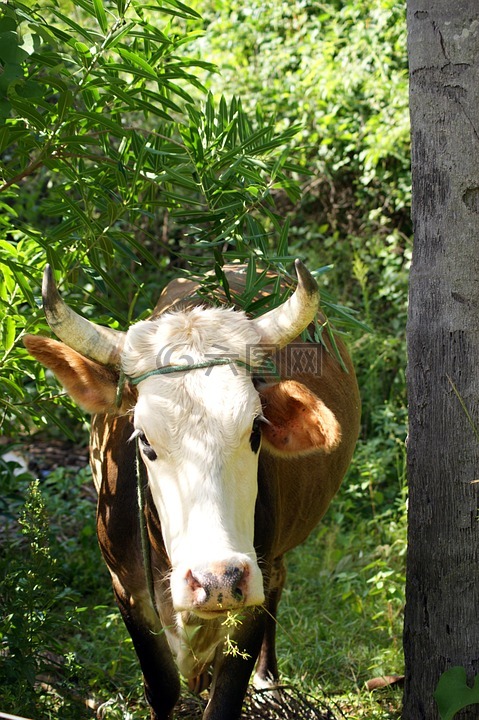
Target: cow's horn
column 93, row 341
column 280, row 326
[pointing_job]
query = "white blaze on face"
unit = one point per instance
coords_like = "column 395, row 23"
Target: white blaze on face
column 201, row 465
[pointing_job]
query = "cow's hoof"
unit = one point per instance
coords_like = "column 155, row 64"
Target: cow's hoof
column 267, row 690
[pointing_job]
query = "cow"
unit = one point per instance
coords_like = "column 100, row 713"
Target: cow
column 237, row 463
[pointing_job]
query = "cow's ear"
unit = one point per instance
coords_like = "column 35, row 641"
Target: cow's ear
column 298, row 420
column 90, row 385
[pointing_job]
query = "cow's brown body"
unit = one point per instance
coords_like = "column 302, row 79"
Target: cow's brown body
column 293, row 495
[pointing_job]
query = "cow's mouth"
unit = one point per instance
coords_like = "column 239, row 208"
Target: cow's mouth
column 211, row 614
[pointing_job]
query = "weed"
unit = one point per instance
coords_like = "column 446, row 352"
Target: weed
column 230, row 647
column 32, row 612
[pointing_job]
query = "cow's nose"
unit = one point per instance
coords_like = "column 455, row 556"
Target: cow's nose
column 219, row 590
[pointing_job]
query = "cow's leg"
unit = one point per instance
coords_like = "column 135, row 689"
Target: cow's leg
column 267, row 674
column 160, row 676
column 118, row 530
column 233, row 669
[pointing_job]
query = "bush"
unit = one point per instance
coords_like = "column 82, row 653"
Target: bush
column 109, row 161
column 339, row 68
column 32, row 617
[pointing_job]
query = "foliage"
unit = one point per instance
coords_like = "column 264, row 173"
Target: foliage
column 31, row 598
column 453, row 693
column 117, row 170
column 107, row 161
column 339, row 69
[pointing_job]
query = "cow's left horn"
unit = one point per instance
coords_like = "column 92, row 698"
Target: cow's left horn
column 280, row 326
column 93, row 341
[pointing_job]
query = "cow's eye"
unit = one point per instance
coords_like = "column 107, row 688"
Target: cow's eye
column 147, row 449
column 144, row 440
column 255, row 437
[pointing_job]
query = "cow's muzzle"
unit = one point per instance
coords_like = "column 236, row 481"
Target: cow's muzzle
column 219, row 589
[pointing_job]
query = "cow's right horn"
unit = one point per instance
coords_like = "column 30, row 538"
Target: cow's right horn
column 99, row 343
column 280, row 326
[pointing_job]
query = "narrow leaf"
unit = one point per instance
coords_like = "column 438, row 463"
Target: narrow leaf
column 139, row 62
column 100, row 15
column 180, row 9
column 118, row 35
column 64, row 103
column 8, row 333
column 283, row 240
column 89, row 37
column 106, row 122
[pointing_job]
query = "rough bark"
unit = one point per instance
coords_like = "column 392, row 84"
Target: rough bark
column 442, row 590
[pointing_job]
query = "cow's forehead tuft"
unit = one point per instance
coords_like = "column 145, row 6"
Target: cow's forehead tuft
column 186, row 337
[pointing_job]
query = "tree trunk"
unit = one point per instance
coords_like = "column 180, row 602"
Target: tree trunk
column 442, row 588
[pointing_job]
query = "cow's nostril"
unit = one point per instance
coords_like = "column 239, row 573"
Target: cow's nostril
column 235, row 577
column 198, row 586
column 237, row 594
column 192, row 581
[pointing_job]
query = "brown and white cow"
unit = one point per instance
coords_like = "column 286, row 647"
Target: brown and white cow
column 239, row 468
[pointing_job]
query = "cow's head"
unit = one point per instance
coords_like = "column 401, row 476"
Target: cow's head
column 199, row 429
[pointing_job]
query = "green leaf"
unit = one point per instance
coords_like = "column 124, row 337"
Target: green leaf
column 100, row 15
column 139, row 62
column 134, row 103
column 82, row 48
column 333, row 343
column 100, row 119
column 76, row 210
column 157, row 97
column 180, row 9
column 27, row 111
column 251, row 274
column 88, row 36
column 10, row 52
column 177, row 90
column 25, row 286
column 15, row 391
column 64, row 103
column 283, row 240
column 183, row 180
column 8, row 247
column 150, row 33
column 8, row 333
column 119, row 34
column 452, row 693
column 220, row 274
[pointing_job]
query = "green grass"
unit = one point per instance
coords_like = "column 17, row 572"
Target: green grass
column 341, row 612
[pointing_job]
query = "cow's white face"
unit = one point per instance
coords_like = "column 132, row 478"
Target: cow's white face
column 199, row 437
column 196, row 429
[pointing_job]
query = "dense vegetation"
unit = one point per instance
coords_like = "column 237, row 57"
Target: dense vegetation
column 126, row 158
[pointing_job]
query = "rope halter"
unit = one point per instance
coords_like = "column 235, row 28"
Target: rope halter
column 168, row 369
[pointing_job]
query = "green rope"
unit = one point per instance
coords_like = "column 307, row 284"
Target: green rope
column 167, row 369
column 141, row 485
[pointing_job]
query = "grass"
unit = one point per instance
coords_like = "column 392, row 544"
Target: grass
column 340, row 617
column 341, row 613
